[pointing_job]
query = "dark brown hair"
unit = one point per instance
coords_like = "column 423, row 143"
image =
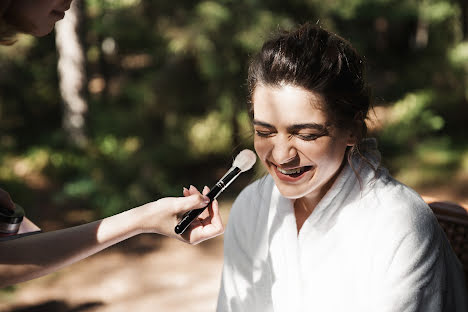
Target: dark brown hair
column 7, row 34
column 321, row 62
column 7, row 31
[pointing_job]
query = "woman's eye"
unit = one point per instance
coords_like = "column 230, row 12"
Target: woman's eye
column 263, row 134
column 307, row 136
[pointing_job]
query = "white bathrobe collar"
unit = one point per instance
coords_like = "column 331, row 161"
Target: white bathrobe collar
column 285, row 244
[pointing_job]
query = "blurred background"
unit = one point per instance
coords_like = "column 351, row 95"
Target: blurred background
column 130, row 100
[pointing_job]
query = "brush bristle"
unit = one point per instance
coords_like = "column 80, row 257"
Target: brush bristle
column 245, row 160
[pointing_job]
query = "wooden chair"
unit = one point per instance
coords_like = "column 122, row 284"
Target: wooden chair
column 453, row 218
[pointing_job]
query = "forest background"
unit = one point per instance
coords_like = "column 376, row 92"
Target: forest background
column 130, row 100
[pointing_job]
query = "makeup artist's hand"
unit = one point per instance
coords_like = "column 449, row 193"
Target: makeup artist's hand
column 5, row 200
column 163, row 215
column 207, row 225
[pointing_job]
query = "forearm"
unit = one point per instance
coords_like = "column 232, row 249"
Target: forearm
column 33, row 256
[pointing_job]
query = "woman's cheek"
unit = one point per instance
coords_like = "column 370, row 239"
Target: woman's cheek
column 260, row 147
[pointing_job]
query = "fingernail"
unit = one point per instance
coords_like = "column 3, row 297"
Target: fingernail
column 206, row 199
column 205, row 188
column 191, row 187
column 184, row 189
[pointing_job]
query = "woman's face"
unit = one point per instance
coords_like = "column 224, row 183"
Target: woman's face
column 301, row 150
column 36, row 17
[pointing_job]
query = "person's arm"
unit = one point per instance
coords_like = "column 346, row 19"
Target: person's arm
column 33, row 256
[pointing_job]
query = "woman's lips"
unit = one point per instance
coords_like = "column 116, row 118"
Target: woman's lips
column 291, row 175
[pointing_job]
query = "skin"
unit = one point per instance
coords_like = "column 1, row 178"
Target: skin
column 25, row 258
column 36, row 17
column 291, row 132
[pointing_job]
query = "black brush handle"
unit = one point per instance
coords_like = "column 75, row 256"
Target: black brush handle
column 191, row 215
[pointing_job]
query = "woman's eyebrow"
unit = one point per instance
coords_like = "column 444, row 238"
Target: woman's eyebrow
column 262, row 124
column 312, row 125
column 297, row 127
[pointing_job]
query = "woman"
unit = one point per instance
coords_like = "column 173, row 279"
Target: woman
column 328, row 229
column 29, row 257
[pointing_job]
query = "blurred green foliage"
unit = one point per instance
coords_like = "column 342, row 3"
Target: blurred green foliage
column 411, row 119
column 166, row 95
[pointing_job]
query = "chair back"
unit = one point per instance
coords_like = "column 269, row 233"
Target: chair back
column 453, row 218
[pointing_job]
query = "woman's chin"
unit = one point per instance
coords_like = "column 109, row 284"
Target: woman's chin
column 41, row 32
column 290, row 191
column 42, row 28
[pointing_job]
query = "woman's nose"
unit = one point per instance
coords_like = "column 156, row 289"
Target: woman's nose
column 283, row 150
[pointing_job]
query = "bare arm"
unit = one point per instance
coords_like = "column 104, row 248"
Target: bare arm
column 37, row 255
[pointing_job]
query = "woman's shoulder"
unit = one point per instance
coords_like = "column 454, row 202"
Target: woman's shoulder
column 252, row 201
column 255, row 193
column 398, row 205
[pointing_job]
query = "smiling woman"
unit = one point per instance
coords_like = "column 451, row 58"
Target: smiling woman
column 328, row 229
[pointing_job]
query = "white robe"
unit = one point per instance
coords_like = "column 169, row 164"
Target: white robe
column 371, row 245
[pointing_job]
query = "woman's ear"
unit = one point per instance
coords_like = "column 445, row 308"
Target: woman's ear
column 356, row 132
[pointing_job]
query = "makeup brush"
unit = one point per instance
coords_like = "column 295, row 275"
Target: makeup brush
column 243, row 162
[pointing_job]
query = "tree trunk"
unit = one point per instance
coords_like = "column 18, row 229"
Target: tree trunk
column 72, row 73
column 464, row 24
column 464, row 17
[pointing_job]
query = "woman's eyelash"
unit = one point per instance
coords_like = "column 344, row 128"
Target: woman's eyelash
column 305, row 137
column 263, row 134
column 308, row 137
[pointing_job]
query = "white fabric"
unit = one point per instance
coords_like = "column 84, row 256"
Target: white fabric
column 369, row 245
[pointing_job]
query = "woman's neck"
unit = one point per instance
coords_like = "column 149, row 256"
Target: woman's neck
column 304, row 206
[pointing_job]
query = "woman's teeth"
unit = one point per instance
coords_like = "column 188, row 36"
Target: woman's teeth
column 291, row 171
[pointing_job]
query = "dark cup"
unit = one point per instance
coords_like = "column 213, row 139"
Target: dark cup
column 10, row 220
